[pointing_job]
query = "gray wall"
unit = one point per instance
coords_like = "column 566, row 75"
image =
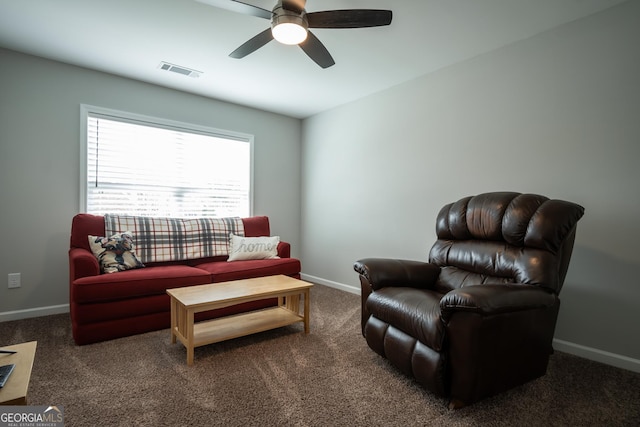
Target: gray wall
column 40, row 159
column 557, row 114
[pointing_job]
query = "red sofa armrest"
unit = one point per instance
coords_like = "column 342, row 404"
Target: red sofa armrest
column 82, row 263
column 284, row 250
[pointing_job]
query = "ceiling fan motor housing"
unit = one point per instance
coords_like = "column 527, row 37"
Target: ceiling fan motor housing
column 286, row 16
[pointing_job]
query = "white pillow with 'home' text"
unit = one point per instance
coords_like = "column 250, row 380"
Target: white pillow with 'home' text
column 245, row 248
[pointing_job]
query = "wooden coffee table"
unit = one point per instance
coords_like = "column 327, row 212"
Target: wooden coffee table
column 187, row 301
column 15, row 390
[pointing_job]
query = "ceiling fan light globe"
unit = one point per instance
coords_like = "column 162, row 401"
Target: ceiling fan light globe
column 289, row 33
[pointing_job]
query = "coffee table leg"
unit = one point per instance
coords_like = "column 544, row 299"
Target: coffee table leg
column 190, row 341
column 306, row 311
column 174, row 304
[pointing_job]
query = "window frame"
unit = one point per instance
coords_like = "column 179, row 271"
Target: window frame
column 140, row 119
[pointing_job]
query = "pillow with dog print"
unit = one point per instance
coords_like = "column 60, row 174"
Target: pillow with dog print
column 115, row 253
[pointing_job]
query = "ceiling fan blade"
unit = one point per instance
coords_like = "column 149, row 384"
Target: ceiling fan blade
column 314, row 48
column 352, row 18
column 240, row 7
column 252, row 44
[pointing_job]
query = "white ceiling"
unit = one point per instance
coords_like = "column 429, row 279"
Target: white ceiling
column 130, row 37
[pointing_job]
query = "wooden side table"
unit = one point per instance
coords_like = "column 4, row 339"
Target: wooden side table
column 15, row 390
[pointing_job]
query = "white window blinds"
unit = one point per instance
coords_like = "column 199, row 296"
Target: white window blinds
column 150, row 169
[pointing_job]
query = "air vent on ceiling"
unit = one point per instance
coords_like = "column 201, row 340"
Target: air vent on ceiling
column 179, row 69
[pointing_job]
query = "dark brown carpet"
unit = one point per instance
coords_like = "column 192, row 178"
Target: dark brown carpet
column 284, row 378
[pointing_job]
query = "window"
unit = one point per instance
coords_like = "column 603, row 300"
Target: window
column 136, row 165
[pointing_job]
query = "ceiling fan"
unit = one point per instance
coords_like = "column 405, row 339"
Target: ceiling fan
column 290, row 24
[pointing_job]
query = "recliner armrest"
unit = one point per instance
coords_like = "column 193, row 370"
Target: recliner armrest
column 490, row 299
column 384, row 272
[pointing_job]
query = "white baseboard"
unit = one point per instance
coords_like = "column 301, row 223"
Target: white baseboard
column 33, row 312
column 589, row 353
column 330, row 283
column 596, row 355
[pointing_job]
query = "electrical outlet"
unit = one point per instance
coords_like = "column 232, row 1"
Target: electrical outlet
column 14, row 280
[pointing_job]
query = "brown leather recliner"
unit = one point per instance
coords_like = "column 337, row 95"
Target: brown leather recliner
column 479, row 317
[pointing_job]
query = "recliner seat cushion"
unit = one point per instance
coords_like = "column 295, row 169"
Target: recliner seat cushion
column 416, row 312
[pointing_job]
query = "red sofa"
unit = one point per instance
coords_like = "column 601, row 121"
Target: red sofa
column 107, row 306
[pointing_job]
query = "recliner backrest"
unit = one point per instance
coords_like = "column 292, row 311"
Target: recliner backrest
column 505, row 237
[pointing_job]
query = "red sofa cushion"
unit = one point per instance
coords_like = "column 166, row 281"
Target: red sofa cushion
column 136, row 283
column 235, row 270
column 256, row 226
